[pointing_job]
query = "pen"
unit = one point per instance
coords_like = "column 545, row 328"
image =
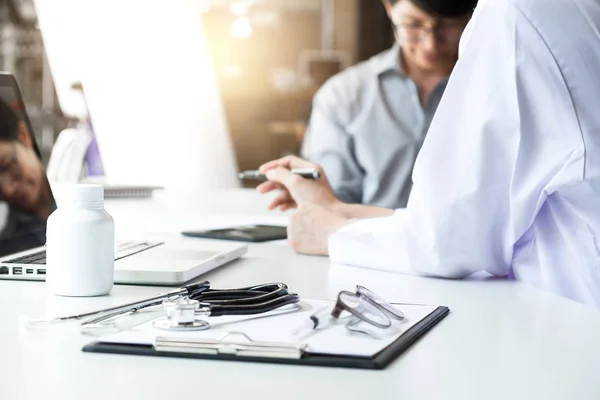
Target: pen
column 319, row 318
column 308, row 173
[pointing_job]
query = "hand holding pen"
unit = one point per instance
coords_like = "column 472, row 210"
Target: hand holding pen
column 319, row 213
column 289, row 175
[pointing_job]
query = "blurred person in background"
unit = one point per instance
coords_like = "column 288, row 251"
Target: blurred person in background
column 369, row 121
column 25, row 198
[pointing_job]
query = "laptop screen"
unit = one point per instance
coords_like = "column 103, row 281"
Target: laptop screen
column 26, row 199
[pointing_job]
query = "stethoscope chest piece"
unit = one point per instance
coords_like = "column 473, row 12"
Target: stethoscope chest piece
column 181, row 316
column 165, row 324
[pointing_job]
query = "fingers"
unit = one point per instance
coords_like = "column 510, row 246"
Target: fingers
column 269, row 186
column 284, row 201
column 287, row 162
column 282, row 198
column 288, row 206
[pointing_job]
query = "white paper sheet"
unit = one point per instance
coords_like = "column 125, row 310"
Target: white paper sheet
column 278, row 326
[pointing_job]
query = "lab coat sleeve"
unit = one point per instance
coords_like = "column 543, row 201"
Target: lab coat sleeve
column 504, row 137
column 331, row 146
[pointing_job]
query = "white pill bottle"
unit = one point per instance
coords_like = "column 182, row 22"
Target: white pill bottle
column 80, row 243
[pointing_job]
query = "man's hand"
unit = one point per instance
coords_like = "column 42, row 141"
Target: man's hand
column 310, row 228
column 319, row 212
column 295, row 190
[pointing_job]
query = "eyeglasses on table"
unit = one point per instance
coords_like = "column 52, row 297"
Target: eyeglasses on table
column 355, row 308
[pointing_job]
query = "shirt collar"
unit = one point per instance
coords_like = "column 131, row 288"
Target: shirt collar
column 390, row 61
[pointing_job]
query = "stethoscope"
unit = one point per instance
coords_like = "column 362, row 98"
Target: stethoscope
column 182, row 313
column 183, row 305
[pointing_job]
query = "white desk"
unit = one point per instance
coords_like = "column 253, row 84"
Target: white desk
column 502, row 340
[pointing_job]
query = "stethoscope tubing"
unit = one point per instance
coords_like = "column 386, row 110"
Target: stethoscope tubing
column 217, row 310
column 250, row 295
column 244, row 301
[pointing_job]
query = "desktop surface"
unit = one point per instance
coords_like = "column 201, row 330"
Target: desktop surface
column 502, row 339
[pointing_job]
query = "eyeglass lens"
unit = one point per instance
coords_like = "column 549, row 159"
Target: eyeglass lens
column 382, row 303
column 415, row 33
column 361, row 308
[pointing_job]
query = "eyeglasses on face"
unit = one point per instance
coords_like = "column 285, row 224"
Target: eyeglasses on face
column 414, row 32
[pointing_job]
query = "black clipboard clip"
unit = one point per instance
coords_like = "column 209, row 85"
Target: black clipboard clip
column 221, row 346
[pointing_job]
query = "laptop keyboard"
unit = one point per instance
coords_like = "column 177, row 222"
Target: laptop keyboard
column 34, row 258
column 122, row 250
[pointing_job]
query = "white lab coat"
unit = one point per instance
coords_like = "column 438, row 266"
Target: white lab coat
column 508, row 180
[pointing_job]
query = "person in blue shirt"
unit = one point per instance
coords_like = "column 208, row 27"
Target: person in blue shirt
column 369, row 121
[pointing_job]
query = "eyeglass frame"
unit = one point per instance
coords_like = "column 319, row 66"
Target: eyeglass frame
column 424, row 31
column 362, row 293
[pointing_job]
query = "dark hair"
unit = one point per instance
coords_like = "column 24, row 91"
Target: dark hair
column 9, row 123
column 442, row 8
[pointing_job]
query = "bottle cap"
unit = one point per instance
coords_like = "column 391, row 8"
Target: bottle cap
column 81, row 194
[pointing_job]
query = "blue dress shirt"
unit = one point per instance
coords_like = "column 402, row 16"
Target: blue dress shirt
column 366, row 128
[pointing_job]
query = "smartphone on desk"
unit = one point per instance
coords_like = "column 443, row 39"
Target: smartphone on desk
column 242, row 233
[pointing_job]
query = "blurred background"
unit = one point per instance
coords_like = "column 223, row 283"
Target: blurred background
column 269, row 58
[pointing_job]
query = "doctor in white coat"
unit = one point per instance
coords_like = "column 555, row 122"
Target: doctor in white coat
column 508, row 180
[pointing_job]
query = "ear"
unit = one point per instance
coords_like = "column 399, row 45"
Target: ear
column 24, row 137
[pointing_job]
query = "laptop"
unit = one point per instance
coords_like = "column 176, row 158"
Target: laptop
column 26, row 200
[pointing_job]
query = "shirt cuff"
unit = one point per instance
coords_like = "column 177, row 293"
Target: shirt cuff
column 358, row 243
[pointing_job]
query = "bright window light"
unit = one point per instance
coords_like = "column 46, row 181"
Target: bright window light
column 151, row 87
column 241, row 28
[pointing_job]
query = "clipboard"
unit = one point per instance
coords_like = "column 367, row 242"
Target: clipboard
column 247, row 350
